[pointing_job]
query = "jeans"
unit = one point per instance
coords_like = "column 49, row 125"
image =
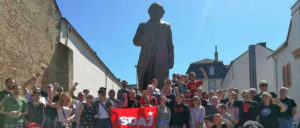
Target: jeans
column 103, row 123
column 286, row 122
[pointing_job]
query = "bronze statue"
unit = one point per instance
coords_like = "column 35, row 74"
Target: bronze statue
column 157, row 53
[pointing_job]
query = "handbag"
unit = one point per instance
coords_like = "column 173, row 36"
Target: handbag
column 62, row 124
column 106, row 109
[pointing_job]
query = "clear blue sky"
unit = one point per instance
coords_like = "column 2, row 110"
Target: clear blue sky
column 197, row 26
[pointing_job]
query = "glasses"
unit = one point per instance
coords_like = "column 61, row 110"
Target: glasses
column 263, row 85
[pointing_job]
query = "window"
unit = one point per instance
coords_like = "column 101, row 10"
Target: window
column 211, row 70
column 211, row 85
column 283, row 76
column 286, row 75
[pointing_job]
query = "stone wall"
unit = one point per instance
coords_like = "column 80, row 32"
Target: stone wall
column 29, row 32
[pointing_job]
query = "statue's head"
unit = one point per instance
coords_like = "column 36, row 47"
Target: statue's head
column 156, row 10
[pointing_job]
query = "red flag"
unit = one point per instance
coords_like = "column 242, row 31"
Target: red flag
column 34, row 125
column 134, row 117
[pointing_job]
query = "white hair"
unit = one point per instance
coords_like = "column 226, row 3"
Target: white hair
column 284, row 88
column 252, row 89
column 151, row 86
column 199, row 88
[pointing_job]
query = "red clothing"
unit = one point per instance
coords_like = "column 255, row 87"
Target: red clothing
column 153, row 101
column 188, row 101
column 193, row 85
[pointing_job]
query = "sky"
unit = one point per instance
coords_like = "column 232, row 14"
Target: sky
column 197, row 26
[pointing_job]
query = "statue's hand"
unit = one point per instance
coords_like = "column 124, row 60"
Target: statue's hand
column 146, row 38
column 171, row 65
column 171, row 62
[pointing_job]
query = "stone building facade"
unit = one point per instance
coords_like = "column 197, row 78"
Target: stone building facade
column 29, row 32
column 33, row 40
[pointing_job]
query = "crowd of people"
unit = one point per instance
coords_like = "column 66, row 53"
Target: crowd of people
column 181, row 102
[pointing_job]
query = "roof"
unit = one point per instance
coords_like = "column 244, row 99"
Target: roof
column 91, row 51
column 131, row 85
column 227, row 66
column 219, row 69
column 284, row 44
column 263, row 44
column 206, row 60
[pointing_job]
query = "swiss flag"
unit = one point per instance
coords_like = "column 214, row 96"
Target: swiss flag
column 134, row 117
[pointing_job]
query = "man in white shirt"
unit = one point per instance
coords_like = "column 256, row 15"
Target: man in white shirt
column 102, row 110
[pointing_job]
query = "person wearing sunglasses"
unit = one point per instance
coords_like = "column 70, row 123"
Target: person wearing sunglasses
column 102, row 108
column 263, row 86
column 248, row 109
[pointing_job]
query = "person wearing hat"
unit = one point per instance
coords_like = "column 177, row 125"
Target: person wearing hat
column 263, row 86
column 102, row 108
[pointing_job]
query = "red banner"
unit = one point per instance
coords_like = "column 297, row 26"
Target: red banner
column 134, row 117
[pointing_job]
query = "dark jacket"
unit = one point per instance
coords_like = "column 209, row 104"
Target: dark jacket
column 35, row 113
column 108, row 104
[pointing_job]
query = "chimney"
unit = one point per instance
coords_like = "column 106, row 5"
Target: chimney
column 216, row 54
column 264, row 44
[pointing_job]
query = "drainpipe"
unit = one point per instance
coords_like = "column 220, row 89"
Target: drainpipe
column 276, row 80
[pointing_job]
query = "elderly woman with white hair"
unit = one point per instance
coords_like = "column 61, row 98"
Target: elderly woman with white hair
column 163, row 115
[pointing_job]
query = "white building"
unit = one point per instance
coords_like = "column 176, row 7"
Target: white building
column 87, row 68
column 250, row 68
column 287, row 58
